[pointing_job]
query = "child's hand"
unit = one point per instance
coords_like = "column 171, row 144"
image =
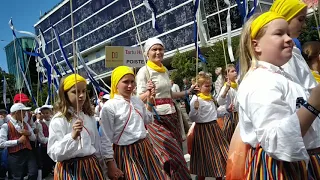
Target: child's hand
column 150, row 85
column 228, row 85
column 76, row 129
column 25, row 132
column 23, row 139
column 113, row 172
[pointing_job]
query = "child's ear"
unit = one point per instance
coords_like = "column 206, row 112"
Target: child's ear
column 256, row 46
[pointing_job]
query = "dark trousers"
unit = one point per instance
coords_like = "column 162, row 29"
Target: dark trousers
column 3, row 170
column 187, row 106
column 48, row 164
column 20, row 161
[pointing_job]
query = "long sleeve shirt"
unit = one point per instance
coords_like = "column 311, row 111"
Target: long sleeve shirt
column 42, row 139
column 123, row 122
column 206, row 112
column 163, row 88
column 61, row 146
column 267, row 114
column 299, row 70
column 224, row 103
column 4, row 142
column 175, row 88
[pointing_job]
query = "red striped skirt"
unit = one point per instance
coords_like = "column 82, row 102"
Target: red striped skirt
column 138, row 161
column 230, row 123
column 167, row 142
column 84, row 168
column 262, row 166
column 209, row 151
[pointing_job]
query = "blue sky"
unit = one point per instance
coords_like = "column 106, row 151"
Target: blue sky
column 24, row 15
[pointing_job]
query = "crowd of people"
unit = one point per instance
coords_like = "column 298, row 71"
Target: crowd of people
column 137, row 131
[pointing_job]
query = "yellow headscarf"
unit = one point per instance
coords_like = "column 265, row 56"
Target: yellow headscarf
column 152, row 65
column 262, row 20
column 116, row 76
column 287, row 8
column 71, row 80
column 316, row 76
column 205, row 97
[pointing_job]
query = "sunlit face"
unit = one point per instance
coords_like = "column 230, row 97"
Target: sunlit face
column 275, row 46
column 46, row 114
column 156, row 53
column 39, row 116
column 206, row 87
column 81, row 91
column 232, row 74
column 126, row 86
column 297, row 23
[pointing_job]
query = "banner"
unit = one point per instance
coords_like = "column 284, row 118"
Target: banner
column 124, row 56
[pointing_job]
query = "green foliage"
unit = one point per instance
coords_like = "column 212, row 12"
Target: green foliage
column 309, row 33
column 185, row 63
column 10, row 87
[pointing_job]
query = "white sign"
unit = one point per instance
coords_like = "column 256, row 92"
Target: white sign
column 127, row 56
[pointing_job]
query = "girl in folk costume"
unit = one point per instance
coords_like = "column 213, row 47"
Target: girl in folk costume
column 276, row 117
column 208, row 136
column 311, row 52
column 295, row 13
column 16, row 136
column 227, row 101
column 165, row 131
column 74, row 142
column 43, row 135
column 123, row 120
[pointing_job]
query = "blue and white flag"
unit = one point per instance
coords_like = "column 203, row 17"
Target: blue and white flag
column 196, row 8
column 149, row 5
column 4, row 91
column 57, row 37
column 27, row 85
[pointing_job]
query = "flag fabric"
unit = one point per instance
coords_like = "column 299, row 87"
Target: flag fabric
column 150, row 5
column 4, row 91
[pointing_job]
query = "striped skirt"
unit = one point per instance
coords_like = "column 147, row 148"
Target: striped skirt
column 167, row 142
column 138, row 161
column 209, row 151
column 230, row 123
column 85, row 168
column 261, row 166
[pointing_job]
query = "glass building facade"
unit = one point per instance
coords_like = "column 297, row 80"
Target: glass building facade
column 98, row 23
column 14, row 53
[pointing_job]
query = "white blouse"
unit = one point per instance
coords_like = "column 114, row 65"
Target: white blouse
column 61, row 145
column 224, row 103
column 267, row 114
column 207, row 111
column 41, row 138
column 123, row 122
column 163, row 87
column 299, row 70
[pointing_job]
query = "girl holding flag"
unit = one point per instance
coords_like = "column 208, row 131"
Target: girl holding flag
column 74, row 142
column 208, row 136
column 276, row 116
column 123, row 120
column 227, row 101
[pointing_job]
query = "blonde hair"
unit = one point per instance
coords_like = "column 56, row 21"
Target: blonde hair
column 226, row 70
column 247, row 55
column 311, row 50
column 63, row 103
column 202, row 78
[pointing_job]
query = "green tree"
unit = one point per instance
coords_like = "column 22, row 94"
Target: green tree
column 310, row 32
column 184, row 64
column 10, row 91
